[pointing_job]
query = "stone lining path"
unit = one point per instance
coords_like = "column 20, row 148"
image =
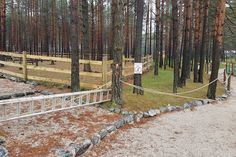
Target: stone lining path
column 208, row 131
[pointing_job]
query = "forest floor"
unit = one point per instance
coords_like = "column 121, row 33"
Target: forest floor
column 44, row 135
column 207, row 131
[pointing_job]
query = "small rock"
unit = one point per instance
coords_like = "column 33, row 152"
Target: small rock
column 103, row 133
column 197, row 103
column 111, row 128
column 129, row 119
column 3, row 152
column 163, row 109
column 13, row 79
column 2, row 140
column 4, row 97
column 124, row 112
column 187, row 105
column 86, row 144
column 138, row 117
column 117, row 110
column 224, row 96
column 16, row 95
column 33, row 83
column 79, row 149
column 96, row 139
column 145, row 114
column 112, row 110
column 171, row 108
column 45, row 92
column 179, row 108
column 153, row 112
column 119, row 123
column 63, row 153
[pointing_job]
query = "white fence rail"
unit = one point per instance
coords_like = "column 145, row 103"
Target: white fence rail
column 25, row 107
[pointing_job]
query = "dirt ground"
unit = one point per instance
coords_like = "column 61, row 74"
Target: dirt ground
column 8, row 87
column 42, row 135
column 208, row 131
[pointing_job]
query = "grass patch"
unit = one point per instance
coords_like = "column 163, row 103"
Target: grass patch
column 162, row 83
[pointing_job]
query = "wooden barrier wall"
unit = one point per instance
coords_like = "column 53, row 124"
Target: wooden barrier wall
column 104, row 75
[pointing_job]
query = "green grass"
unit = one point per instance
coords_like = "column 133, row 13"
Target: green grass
column 163, row 83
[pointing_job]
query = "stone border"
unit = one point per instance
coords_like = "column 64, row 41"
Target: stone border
column 130, row 118
column 3, row 150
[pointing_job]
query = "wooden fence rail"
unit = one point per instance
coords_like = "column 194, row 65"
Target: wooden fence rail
column 102, row 77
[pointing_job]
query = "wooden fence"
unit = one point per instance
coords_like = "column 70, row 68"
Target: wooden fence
column 101, row 76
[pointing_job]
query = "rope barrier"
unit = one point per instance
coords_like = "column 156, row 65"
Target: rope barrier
column 177, row 94
column 161, row 93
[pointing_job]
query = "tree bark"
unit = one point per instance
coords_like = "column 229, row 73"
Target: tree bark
column 85, row 45
column 176, row 46
column 156, row 53
column 117, row 49
column 204, row 41
column 75, row 82
column 217, row 47
column 138, row 45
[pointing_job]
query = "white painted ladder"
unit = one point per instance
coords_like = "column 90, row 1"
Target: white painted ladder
column 31, row 106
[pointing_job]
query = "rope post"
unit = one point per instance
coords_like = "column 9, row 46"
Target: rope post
column 232, row 69
column 104, row 69
column 24, row 65
column 229, row 83
column 123, row 65
column 225, row 75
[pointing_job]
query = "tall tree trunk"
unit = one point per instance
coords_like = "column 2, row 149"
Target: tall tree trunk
column 117, row 20
column 100, row 29
column 162, row 34
column 157, row 51
column 75, row 82
column 2, row 28
column 146, row 33
column 204, row 39
column 217, row 47
column 197, row 42
column 85, row 46
column 176, row 45
column 138, row 45
column 126, row 49
column 186, row 52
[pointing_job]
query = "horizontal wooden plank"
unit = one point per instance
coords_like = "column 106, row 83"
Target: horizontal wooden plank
column 11, row 64
column 90, row 62
column 11, row 73
column 129, row 67
column 91, row 74
column 110, row 62
column 59, row 81
column 129, row 59
column 11, row 54
column 49, row 58
column 68, row 60
column 40, row 68
column 64, row 71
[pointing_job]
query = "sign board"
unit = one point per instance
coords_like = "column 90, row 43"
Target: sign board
column 138, row 68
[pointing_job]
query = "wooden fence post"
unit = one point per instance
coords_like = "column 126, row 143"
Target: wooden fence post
column 24, row 65
column 232, row 69
column 229, row 83
column 224, row 75
column 104, row 69
column 123, row 66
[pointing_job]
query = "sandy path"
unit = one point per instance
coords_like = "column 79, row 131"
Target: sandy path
column 209, row 131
